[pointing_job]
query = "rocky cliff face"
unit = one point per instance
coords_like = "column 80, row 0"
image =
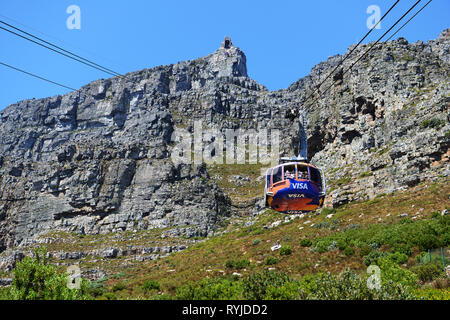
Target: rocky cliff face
column 98, row 159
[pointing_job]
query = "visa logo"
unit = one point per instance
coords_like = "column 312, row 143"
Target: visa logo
column 299, row 185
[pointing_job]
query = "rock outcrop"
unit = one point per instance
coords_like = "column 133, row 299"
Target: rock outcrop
column 98, row 159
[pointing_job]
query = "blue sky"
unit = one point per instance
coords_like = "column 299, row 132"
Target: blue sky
column 282, row 40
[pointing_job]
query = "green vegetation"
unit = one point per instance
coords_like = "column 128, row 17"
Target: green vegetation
column 349, row 251
column 306, row 243
column 221, row 288
column 246, row 189
column 256, row 242
column 118, row 286
column 366, row 174
column 237, row 264
column 343, row 180
column 327, row 211
column 271, row 260
column 150, row 285
column 321, row 258
column 373, row 256
column 426, row 234
column 432, row 294
column 433, row 123
column 97, row 288
column 407, row 57
column 285, row 250
column 429, row 271
column 36, row 279
column 392, row 272
column 269, row 285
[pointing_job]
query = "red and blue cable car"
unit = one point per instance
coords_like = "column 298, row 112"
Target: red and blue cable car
column 295, row 185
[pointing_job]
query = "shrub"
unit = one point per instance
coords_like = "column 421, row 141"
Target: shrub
column 365, row 250
column 348, row 286
column 446, row 239
column 441, row 283
column 398, row 257
column 4, row 294
column 332, row 246
column 428, row 272
column 433, row 123
column 341, row 244
column 210, row 289
column 237, row 264
column 118, row 286
column 374, row 245
column 352, row 226
column 428, row 241
column 322, row 246
column 303, row 265
column 322, row 225
column 108, row 296
column 432, row 294
column 119, row 275
column 401, row 237
column 274, row 285
column 149, row 285
column 403, row 248
column 257, row 285
column 290, row 290
column 349, row 251
column 271, row 261
column 423, row 257
column 306, row 242
column 392, row 272
column 373, row 256
column 256, row 232
column 435, row 214
column 96, row 288
column 285, row 250
column 36, row 279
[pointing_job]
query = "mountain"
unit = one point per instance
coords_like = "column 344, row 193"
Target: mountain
column 100, row 159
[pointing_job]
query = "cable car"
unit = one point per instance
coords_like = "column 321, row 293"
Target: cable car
column 295, row 186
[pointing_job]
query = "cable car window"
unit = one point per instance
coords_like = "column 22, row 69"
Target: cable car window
column 277, row 174
column 303, row 172
column 289, row 171
column 315, row 175
column 268, row 175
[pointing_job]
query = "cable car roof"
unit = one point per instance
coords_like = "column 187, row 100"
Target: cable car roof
column 295, row 162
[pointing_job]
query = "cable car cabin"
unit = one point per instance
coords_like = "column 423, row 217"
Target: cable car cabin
column 294, row 187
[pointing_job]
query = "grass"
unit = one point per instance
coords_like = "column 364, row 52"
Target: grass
column 247, row 249
column 433, row 123
column 248, row 189
column 366, row 174
column 209, row 258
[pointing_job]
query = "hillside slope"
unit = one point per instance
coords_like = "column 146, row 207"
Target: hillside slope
column 98, row 160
